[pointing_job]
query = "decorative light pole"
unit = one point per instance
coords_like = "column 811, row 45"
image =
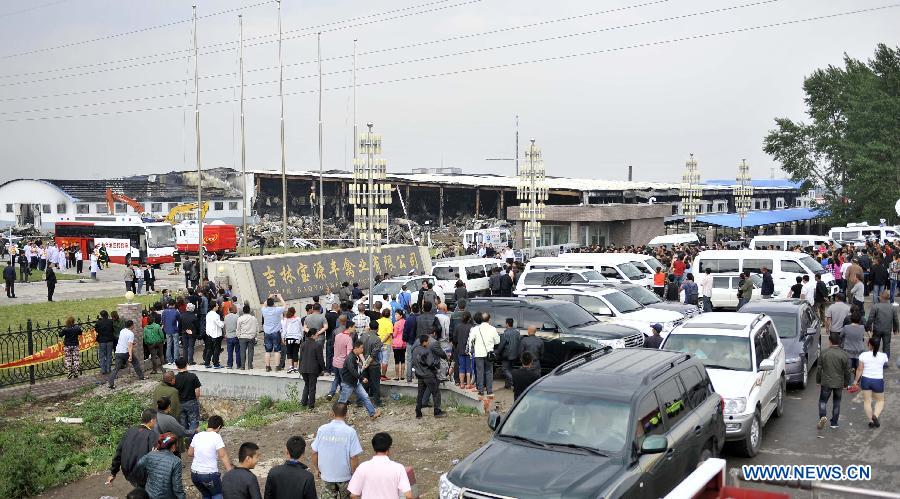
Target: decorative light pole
column 690, row 191
column 368, row 193
column 532, row 194
column 743, row 192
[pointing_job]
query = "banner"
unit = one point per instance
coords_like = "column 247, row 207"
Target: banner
column 86, row 341
column 304, row 275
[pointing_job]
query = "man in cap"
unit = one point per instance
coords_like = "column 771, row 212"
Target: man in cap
column 654, row 340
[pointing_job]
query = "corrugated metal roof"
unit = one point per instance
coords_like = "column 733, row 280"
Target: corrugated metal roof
column 755, row 218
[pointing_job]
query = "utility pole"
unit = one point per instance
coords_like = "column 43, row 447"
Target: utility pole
column 321, row 185
column 243, row 142
column 355, row 132
column 743, row 192
column 284, row 201
column 201, row 258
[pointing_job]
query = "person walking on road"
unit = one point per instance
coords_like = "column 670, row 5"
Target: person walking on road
column 240, row 482
column 188, row 386
column 291, row 480
column 832, row 377
column 484, row 338
column 870, row 379
column 206, row 448
column 352, row 380
column 336, row 451
column 136, row 442
column 162, row 469
column 9, row 278
column 425, row 365
column 380, row 477
column 50, row 277
column 508, row 351
column 124, row 354
column 768, row 285
column 883, row 322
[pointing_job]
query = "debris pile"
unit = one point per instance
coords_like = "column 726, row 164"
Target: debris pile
column 27, row 230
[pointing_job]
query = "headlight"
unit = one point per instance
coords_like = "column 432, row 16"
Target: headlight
column 735, row 406
column 792, row 360
column 446, row 489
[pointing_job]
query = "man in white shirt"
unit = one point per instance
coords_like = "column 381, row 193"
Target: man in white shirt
column 206, row 447
column 212, row 343
column 380, row 477
column 124, row 354
column 808, row 292
column 705, row 284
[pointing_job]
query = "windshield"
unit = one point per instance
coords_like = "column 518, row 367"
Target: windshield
column 630, row 271
column 811, row 264
column 445, row 273
column 786, row 324
column 387, row 288
column 642, row 295
column 593, row 275
column 161, row 236
column 570, row 315
column 553, row 418
column 643, row 268
column 652, row 262
column 721, row 352
column 622, row 302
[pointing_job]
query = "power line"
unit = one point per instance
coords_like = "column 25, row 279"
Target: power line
column 421, row 59
column 387, row 49
column 127, row 33
column 29, row 9
column 228, row 43
column 490, row 67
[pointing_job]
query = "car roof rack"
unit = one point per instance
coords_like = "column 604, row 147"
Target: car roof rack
column 659, row 371
column 581, row 360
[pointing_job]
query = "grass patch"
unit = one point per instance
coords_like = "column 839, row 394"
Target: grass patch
column 468, row 411
column 37, row 456
column 11, row 316
column 265, row 409
column 39, row 275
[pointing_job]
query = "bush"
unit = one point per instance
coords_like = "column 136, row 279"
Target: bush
column 36, row 457
column 107, row 418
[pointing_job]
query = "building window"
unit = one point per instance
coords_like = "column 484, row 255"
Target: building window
column 233, row 205
column 61, row 208
column 101, row 208
column 82, row 209
column 554, row 235
column 779, row 203
column 765, row 204
column 9, row 208
column 217, row 205
column 172, row 205
column 121, row 208
column 45, row 208
column 155, row 207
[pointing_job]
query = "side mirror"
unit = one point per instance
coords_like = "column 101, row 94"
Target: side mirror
column 549, row 326
column 654, row 444
column 493, row 420
column 767, row 365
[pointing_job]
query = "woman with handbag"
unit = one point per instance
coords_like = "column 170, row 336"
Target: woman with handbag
column 484, row 338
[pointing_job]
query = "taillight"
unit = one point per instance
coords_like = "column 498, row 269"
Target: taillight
column 722, row 404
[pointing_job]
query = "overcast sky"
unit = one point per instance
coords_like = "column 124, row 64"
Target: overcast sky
column 628, row 103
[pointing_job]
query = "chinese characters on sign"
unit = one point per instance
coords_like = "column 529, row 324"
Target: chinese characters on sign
column 305, row 275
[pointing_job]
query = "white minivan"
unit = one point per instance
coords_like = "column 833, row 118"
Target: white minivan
column 616, row 266
column 647, row 264
column 785, row 266
column 473, row 272
column 863, row 232
column 788, row 242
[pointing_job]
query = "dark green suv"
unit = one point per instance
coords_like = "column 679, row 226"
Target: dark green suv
column 608, row 423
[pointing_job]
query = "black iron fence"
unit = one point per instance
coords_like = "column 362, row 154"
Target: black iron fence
column 39, row 339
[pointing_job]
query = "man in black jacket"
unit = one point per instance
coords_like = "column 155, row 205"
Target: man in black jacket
column 51, row 282
column 768, row 285
column 533, row 345
column 351, row 378
column 9, row 277
column 135, row 443
column 494, row 282
column 372, row 368
column 525, row 376
column 291, row 480
column 312, row 363
column 240, row 482
column 508, row 351
column 425, row 365
column 427, row 322
column 506, row 283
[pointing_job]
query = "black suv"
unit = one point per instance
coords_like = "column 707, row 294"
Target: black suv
column 609, row 423
column 567, row 329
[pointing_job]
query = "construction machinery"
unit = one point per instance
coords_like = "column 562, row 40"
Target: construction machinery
column 113, row 197
column 183, row 211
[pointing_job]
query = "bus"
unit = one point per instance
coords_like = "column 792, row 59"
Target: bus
column 152, row 243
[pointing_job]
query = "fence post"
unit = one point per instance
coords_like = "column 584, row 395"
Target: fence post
column 29, row 330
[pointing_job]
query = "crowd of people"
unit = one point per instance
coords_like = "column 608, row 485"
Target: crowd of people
column 32, row 257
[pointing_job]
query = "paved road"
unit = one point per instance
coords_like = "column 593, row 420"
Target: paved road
column 794, row 439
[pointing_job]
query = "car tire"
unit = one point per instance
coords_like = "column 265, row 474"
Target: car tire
column 804, row 375
column 779, row 399
column 749, row 447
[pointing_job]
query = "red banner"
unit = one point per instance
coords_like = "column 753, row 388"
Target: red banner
column 86, row 341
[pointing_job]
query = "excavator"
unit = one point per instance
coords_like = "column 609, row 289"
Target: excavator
column 185, row 209
column 113, row 197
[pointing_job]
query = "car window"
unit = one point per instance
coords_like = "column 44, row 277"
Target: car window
column 785, row 324
column 593, row 305
column 649, row 420
column 771, row 339
column 792, row 267
column 535, row 317
column 721, row 282
column 622, row 302
column 445, row 273
column 475, row 271
column 716, row 352
column 719, row 265
column 568, row 298
column 696, row 385
column 755, row 264
column 534, row 278
column 673, row 401
column 609, row 272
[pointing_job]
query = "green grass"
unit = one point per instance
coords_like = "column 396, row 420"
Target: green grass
column 266, row 410
column 14, row 315
column 468, row 411
column 37, row 275
column 40, row 455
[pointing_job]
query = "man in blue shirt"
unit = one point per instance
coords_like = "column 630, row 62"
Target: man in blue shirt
column 404, row 298
column 336, row 451
column 170, row 327
column 271, row 316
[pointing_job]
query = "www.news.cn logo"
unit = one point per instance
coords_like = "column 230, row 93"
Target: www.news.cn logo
column 828, row 472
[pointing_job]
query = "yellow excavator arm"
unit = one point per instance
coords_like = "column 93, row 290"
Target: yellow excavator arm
column 185, row 209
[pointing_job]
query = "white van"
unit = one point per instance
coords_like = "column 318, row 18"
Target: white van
column 611, row 265
column 558, row 276
column 645, row 263
column 785, row 266
column 670, row 240
column 473, row 272
column 787, row 243
column 496, row 237
column 863, row 231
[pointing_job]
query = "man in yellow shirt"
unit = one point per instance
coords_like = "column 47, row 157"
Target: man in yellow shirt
column 386, row 335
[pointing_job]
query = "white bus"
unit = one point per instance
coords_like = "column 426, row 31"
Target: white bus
column 787, row 242
column 863, row 231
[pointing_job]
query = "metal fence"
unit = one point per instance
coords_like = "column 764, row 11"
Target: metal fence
column 31, row 339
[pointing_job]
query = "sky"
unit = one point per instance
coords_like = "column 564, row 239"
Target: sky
column 104, row 88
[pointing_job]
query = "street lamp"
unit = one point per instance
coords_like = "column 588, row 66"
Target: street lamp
column 532, row 193
column 743, row 192
column 367, row 195
column 690, row 191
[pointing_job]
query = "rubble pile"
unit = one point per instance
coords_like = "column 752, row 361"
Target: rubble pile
column 27, row 230
column 268, row 229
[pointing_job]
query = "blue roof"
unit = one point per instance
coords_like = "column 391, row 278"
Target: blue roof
column 754, row 218
column 774, row 183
